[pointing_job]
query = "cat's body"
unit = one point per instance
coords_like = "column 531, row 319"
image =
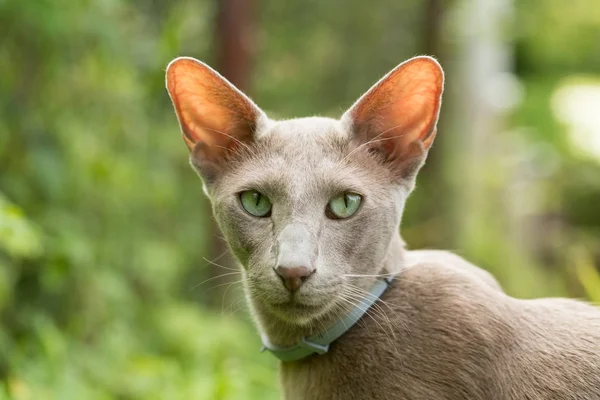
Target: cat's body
column 456, row 336
column 311, row 208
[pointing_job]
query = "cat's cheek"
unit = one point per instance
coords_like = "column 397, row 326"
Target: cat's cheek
column 367, row 239
column 249, row 250
column 244, row 234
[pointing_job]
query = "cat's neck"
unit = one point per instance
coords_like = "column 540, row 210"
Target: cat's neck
column 282, row 333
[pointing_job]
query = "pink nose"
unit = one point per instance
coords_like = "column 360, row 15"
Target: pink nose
column 293, row 277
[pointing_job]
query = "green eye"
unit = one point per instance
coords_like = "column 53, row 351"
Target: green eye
column 256, row 203
column 343, row 206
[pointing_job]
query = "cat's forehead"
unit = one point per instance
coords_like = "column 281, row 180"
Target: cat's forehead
column 310, row 144
column 301, row 129
column 305, row 155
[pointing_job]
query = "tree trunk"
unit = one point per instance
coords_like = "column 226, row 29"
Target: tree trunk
column 234, row 45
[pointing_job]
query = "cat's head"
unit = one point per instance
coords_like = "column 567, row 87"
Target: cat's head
column 309, row 206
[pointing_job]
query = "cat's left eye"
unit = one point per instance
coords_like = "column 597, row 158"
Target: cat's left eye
column 343, row 206
column 256, row 203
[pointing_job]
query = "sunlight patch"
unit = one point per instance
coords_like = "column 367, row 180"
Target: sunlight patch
column 577, row 105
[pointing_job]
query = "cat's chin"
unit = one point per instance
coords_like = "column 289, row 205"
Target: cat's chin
column 298, row 313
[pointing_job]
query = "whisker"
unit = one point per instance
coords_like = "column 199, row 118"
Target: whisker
column 360, row 320
column 378, row 309
column 366, row 293
column 378, row 305
column 219, row 265
column 236, row 302
column 215, row 277
column 322, row 325
column 358, row 302
column 348, row 301
column 225, row 294
column 223, row 284
column 223, row 253
column 370, row 276
column 375, row 308
column 394, row 274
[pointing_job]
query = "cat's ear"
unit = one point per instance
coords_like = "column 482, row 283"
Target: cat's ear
column 215, row 117
column 397, row 117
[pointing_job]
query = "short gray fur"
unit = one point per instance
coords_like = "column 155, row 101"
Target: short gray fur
column 444, row 329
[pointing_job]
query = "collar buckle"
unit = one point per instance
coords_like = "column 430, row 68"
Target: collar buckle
column 314, row 347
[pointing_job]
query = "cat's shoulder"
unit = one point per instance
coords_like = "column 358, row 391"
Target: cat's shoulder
column 446, row 265
column 445, row 286
column 448, row 302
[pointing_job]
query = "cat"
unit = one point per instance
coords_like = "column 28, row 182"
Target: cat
column 311, row 209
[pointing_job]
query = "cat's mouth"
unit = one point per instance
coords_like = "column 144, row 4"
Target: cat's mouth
column 311, row 302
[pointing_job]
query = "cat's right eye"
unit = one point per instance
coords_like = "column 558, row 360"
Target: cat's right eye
column 256, row 203
column 343, row 206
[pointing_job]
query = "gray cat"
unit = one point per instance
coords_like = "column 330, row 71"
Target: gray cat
column 311, row 208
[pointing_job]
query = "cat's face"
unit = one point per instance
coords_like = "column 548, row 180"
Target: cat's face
column 314, row 194
column 301, row 166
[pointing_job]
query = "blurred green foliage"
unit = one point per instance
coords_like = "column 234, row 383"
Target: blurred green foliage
column 103, row 226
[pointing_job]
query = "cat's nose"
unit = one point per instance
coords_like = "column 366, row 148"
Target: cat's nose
column 293, row 277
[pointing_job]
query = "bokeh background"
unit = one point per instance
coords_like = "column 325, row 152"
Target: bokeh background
column 106, row 237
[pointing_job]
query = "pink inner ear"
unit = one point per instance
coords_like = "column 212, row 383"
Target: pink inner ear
column 209, row 108
column 404, row 105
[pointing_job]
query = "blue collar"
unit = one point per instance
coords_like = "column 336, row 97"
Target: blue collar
column 319, row 343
